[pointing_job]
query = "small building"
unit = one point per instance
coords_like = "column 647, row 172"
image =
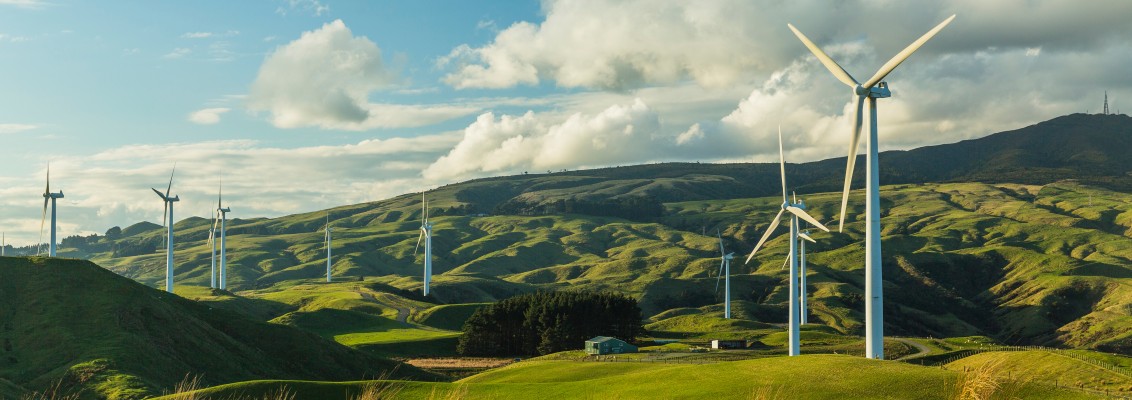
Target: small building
column 607, row 345
column 728, row 344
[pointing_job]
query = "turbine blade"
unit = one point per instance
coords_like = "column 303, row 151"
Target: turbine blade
column 831, row 65
column 159, row 194
column 220, row 194
column 165, row 215
column 782, row 163
column 719, row 275
column 854, row 143
column 419, row 238
column 769, row 230
column 170, row 188
column 721, row 250
column 903, row 54
column 48, row 190
column 803, row 235
column 787, row 261
column 803, row 215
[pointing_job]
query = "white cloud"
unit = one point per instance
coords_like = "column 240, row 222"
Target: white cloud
column 16, row 128
column 619, row 44
column 112, row 187
column 178, row 53
column 324, row 79
column 196, row 35
column 312, row 7
column 207, row 116
column 618, row 134
column 23, row 3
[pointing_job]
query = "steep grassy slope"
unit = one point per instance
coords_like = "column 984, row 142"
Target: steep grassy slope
column 1048, row 367
column 105, row 335
column 805, row 377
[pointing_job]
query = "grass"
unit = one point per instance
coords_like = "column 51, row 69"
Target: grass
column 813, row 377
column 103, row 335
column 1049, row 368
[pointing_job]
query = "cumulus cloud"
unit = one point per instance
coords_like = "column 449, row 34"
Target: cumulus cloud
column 23, row 3
column 178, row 53
column 618, row 134
column 324, row 79
column 207, row 116
column 612, row 44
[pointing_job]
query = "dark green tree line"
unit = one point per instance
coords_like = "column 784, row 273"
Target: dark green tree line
column 548, row 322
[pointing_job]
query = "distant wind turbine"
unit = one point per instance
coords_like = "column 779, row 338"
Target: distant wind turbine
column 872, row 89
column 3, row 243
column 797, row 211
column 804, row 312
column 725, row 273
column 328, row 258
column 426, row 236
column 167, row 221
column 48, row 197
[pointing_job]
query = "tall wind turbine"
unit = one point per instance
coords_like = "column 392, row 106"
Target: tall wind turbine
column 872, row 90
column 223, row 213
column 426, row 236
column 48, row 197
column 797, row 211
column 725, row 273
column 328, row 259
column 167, row 220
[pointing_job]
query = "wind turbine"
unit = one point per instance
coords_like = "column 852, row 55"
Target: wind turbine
column 426, row 235
column 328, row 259
column 805, row 235
column 223, row 211
column 797, row 211
column 872, row 90
column 725, row 273
column 48, row 197
column 3, row 243
column 167, row 220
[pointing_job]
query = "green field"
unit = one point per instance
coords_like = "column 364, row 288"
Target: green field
column 805, row 377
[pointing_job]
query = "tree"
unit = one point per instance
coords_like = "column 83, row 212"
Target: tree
column 548, row 322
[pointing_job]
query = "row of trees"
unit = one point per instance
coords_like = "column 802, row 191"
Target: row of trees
column 548, row 322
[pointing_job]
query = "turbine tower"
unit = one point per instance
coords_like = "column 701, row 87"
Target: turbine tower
column 426, row 235
column 872, row 90
column 725, row 273
column 48, row 197
column 223, row 213
column 328, row 259
column 802, row 296
column 167, row 220
column 797, row 211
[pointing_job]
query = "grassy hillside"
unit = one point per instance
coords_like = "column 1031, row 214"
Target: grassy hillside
column 1037, row 261
column 73, row 322
column 805, row 377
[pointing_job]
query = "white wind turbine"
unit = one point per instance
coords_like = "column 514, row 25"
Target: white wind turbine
column 805, row 235
column 220, row 217
column 48, row 197
column 725, row 273
column 328, row 258
column 797, row 211
column 426, row 236
column 872, row 89
column 167, row 220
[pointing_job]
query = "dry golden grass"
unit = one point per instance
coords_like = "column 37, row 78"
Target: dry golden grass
column 459, row 362
column 985, row 382
column 769, row 393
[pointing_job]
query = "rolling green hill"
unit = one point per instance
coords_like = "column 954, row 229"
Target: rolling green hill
column 101, row 335
column 805, row 377
column 1020, row 254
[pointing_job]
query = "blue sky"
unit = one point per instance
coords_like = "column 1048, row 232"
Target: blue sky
column 309, row 104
